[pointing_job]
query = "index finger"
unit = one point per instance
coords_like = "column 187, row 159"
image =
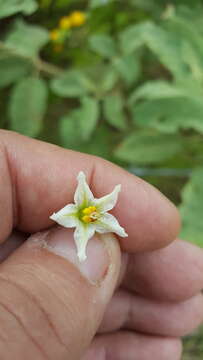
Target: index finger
column 39, row 178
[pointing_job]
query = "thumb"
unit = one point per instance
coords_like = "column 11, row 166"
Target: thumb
column 52, row 304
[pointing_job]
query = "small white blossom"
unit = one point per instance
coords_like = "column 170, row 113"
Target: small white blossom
column 89, row 215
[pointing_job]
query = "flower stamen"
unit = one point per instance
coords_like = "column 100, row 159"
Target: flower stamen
column 90, row 214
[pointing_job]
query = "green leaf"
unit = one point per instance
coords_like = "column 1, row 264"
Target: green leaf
column 114, row 111
column 157, row 90
column 192, row 208
column 69, row 129
column 72, row 83
column 193, row 60
column 26, row 39
column 101, row 144
column 88, row 116
column 132, row 37
column 184, row 28
column 128, row 68
column 103, row 45
column 167, row 47
column 169, row 114
column 144, row 148
column 11, row 7
column 108, row 80
column 27, row 106
column 164, row 44
column 12, row 69
column 79, row 124
column 186, row 24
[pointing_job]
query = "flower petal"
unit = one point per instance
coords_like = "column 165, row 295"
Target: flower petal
column 67, row 216
column 83, row 195
column 81, row 236
column 108, row 202
column 108, row 223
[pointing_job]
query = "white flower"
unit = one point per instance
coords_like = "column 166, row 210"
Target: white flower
column 89, row 215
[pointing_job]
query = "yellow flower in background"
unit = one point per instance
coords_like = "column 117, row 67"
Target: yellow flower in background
column 60, row 34
column 54, row 34
column 77, row 18
column 65, row 23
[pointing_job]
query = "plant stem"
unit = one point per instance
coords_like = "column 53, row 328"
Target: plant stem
column 41, row 65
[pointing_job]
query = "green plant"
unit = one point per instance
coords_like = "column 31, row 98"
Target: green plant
column 123, row 81
column 120, row 83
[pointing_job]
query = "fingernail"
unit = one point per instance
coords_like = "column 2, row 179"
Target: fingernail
column 60, row 242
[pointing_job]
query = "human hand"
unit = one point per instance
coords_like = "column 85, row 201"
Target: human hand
column 54, row 307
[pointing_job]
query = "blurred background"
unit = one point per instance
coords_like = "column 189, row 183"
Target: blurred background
column 121, row 79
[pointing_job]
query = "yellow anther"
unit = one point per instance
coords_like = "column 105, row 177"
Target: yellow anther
column 87, row 219
column 89, row 210
column 65, row 23
column 90, row 214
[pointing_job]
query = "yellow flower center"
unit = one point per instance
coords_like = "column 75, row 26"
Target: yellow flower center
column 90, row 214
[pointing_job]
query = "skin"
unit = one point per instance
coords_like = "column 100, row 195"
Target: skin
column 152, row 293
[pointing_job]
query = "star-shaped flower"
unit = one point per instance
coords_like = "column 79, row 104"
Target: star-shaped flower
column 89, row 215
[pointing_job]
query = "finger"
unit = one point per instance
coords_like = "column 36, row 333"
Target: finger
column 174, row 273
column 50, row 304
column 130, row 346
column 11, row 244
column 127, row 311
column 42, row 179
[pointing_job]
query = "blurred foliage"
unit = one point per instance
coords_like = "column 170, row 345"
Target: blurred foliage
column 193, row 346
column 119, row 79
column 123, row 80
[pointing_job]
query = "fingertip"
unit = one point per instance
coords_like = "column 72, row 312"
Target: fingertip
column 174, row 273
column 170, row 223
column 150, row 219
column 127, row 345
column 171, row 348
